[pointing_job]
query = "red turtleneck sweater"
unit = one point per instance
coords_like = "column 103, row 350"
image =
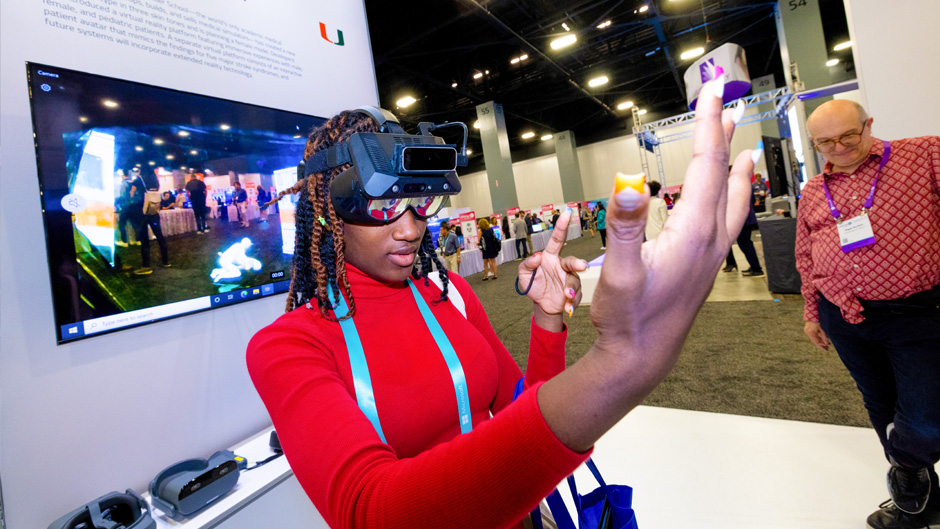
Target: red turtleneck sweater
column 428, row 475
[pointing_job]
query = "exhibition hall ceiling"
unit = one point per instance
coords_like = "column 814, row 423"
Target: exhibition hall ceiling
column 451, row 55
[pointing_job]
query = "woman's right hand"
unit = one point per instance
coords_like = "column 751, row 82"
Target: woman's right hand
column 649, row 293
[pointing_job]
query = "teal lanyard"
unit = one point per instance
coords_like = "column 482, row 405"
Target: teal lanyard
column 362, row 382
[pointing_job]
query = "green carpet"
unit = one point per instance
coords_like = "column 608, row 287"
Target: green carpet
column 743, row 358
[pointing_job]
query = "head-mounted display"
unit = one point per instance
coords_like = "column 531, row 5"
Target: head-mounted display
column 113, row 510
column 391, row 171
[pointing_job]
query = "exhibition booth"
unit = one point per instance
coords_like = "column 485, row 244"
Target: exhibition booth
column 107, row 378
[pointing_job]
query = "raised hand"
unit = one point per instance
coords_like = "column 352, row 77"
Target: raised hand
column 556, row 288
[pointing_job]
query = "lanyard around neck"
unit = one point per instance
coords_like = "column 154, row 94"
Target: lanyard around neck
column 871, row 194
column 362, row 381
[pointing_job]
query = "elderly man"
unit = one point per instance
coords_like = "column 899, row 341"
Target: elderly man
column 868, row 252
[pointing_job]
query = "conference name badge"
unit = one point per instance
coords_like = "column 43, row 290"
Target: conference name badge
column 855, row 233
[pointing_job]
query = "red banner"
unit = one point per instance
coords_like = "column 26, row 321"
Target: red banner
column 511, row 212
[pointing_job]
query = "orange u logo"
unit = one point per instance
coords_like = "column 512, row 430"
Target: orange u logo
column 339, row 33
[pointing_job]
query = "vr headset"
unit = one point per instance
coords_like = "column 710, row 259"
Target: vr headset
column 111, row 511
column 390, row 171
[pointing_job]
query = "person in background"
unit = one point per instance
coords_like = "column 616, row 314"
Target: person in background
column 529, row 221
column 489, row 248
column 584, row 215
column 263, row 198
column 122, row 204
column 520, row 227
column 555, row 214
column 450, row 248
column 140, row 184
column 759, row 187
column 490, row 466
column 601, row 220
column 167, row 202
column 506, row 233
column 240, row 198
column 873, row 293
column 747, row 247
column 658, row 212
column 196, row 189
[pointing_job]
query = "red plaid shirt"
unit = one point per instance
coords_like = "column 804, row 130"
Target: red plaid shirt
column 905, row 217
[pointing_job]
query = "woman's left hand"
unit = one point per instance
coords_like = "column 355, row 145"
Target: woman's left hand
column 557, row 287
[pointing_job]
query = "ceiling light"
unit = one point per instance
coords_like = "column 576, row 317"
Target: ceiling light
column 478, row 75
column 110, row 104
column 453, row 85
column 183, row 133
column 597, row 81
column 296, row 136
column 843, row 45
column 224, row 126
column 564, row 25
column 487, row 72
column 169, row 156
column 182, row 167
column 476, row 124
column 157, row 141
column 152, row 163
column 136, row 165
column 469, row 152
column 641, row 111
column 625, row 105
column 832, row 62
column 515, row 60
column 694, row 52
column 83, row 119
column 604, row 24
column 194, row 152
column 561, row 42
column 528, row 135
column 523, row 57
column 644, row 9
column 138, row 148
column 405, row 101
column 546, row 137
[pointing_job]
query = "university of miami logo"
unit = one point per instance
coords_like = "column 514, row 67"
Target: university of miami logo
column 339, row 35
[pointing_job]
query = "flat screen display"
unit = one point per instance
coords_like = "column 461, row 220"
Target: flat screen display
column 110, row 152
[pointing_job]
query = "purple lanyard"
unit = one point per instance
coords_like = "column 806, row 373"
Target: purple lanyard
column 871, row 194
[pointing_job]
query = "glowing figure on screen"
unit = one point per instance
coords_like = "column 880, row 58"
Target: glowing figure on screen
column 233, row 261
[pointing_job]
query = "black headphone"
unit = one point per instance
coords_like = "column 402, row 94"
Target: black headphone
column 114, row 510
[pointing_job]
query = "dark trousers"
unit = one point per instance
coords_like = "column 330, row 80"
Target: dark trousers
column 747, row 247
column 894, row 357
column 123, row 218
column 603, row 232
column 521, row 243
column 154, row 222
column 200, row 212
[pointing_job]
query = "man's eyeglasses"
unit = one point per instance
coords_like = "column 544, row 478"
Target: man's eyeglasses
column 847, row 140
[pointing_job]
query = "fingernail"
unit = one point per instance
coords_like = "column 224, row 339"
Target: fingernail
column 628, row 199
column 718, row 86
column 758, row 151
column 570, row 310
column 585, row 262
column 571, row 293
column 569, row 211
column 738, row 112
column 635, row 181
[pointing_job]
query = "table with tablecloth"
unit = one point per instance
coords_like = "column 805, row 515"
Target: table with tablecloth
column 471, row 261
column 252, row 212
column 175, row 222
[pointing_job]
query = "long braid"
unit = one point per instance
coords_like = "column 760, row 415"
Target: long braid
column 319, row 265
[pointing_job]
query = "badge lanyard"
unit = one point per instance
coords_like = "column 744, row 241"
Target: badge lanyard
column 362, row 381
column 857, row 231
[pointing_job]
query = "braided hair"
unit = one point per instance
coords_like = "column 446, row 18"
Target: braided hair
column 319, row 264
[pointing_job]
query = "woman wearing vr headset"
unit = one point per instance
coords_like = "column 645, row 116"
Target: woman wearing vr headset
column 386, row 449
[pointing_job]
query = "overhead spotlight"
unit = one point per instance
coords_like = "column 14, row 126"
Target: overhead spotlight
column 183, row 133
column 169, row 156
column 523, row 57
column 598, row 81
column 644, row 9
column 843, row 45
column 625, row 105
column 641, row 111
column 194, row 152
column 478, row 75
column 832, row 62
column 469, row 152
column 604, row 24
column 546, row 137
column 690, row 54
column 224, row 126
column 83, row 119
column 151, row 163
column 527, row 135
column 296, row 136
column 515, row 60
column 136, row 165
column 405, row 101
column 561, row 42
column 476, row 124
column 138, row 148
column 453, row 85
column 157, row 141
column 109, row 103
column 564, row 25
column 487, row 72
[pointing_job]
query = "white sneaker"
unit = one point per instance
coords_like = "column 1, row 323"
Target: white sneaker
column 603, row 247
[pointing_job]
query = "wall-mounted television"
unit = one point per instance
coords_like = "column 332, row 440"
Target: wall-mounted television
column 95, row 135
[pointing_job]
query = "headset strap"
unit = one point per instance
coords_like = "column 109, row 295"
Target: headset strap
column 323, row 161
